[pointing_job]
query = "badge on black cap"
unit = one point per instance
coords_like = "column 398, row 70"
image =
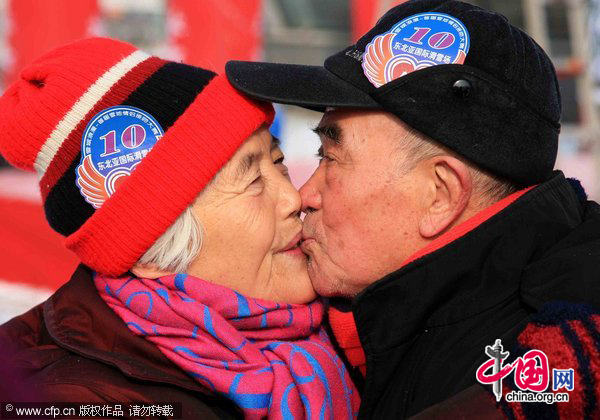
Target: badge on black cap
column 417, row 42
column 113, row 144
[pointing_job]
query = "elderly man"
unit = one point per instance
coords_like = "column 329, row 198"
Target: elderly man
column 435, row 207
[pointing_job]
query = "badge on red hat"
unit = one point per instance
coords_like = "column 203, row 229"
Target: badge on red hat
column 417, row 42
column 114, row 142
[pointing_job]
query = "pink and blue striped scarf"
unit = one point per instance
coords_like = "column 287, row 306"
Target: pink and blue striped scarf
column 272, row 359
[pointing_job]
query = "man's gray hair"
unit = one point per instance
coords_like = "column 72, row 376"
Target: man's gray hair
column 178, row 246
column 418, row 147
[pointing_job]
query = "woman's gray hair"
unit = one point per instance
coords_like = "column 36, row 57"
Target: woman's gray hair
column 178, row 246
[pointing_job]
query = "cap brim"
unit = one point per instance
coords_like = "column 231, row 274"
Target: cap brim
column 312, row 87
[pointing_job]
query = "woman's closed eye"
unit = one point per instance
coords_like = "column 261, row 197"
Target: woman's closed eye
column 282, row 166
column 257, row 184
column 257, row 179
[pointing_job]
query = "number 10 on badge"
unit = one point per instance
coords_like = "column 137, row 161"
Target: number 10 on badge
column 113, row 144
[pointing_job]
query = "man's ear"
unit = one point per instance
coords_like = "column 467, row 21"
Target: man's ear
column 148, row 271
column 449, row 188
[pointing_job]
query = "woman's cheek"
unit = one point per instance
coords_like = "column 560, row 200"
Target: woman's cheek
column 255, row 222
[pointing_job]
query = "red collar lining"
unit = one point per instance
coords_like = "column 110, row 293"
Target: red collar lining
column 466, row 226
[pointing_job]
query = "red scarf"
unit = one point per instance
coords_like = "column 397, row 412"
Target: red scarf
column 272, row 359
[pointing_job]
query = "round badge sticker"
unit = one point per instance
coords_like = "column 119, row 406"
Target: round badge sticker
column 417, row 42
column 113, row 143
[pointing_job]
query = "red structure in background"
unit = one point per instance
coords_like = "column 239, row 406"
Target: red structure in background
column 31, row 252
column 208, row 33
column 366, row 12
column 38, row 26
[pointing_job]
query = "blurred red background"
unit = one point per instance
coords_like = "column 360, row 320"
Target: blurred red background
column 208, row 33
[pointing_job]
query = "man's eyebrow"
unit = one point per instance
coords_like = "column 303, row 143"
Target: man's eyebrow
column 246, row 163
column 331, row 131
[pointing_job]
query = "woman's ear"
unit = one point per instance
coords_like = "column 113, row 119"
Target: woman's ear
column 148, row 271
column 450, row 188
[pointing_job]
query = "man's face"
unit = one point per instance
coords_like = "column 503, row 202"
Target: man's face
column 361, row 207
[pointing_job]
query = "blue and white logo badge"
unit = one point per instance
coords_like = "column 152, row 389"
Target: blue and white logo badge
column 113, row 143
column 417, row 42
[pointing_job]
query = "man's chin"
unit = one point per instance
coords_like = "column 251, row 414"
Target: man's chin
column 327, row 287
column 324, row 280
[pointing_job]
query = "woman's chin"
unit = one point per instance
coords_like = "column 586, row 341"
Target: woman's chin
column 290, row 273
column 301, row 296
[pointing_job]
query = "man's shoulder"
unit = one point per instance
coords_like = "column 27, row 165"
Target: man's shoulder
column 567, row 336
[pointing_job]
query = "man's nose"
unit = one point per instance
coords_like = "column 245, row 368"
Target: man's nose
column 310, row 195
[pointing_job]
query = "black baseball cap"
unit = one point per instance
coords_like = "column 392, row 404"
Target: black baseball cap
column 499, row 106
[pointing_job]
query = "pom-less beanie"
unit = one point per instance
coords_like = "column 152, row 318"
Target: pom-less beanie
column 43, row 116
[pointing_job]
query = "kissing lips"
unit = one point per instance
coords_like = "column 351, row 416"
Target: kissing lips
column 293, row 247
column 306, row 244
column 306, row 241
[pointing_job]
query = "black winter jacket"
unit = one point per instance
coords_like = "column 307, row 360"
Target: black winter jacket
column 424, row 327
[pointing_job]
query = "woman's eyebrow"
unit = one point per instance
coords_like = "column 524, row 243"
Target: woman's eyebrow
column 275, row 142
column 245, row 164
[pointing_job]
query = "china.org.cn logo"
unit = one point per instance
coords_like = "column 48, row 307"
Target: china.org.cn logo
column 531, row 374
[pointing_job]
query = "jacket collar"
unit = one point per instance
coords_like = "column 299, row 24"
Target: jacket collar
column 79, row 321
column 458, row 280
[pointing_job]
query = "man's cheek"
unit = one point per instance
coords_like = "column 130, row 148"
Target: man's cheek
column 344, row 211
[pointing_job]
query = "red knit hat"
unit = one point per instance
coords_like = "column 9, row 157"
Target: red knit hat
column 45, row 114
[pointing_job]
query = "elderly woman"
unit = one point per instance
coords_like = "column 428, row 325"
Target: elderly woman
column 192, row 288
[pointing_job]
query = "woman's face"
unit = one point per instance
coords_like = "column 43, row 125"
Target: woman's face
column 252, row 228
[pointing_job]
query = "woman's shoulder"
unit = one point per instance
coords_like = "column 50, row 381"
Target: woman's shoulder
column 22, row 331
column 49, row 373
column 36, row 367
column 45, row 365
